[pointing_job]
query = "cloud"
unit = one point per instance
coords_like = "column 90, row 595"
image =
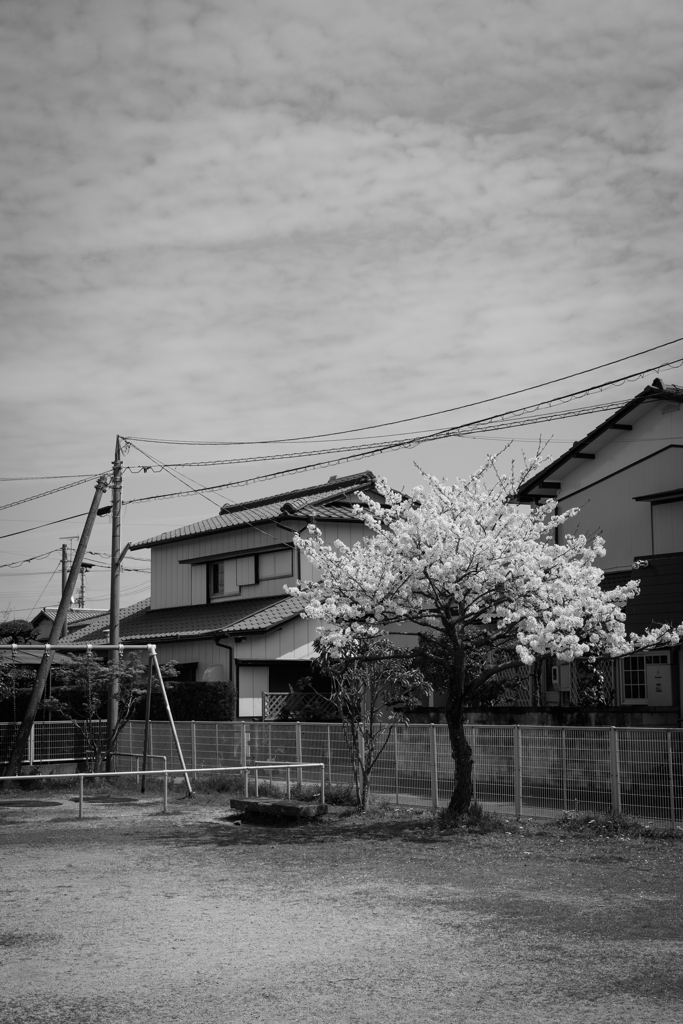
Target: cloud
column 296, row 215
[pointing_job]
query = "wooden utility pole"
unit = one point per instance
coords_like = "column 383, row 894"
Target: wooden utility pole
column 114, row 597
column 20, row 742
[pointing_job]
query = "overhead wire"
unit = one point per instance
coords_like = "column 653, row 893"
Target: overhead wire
column 33, row 558
column 180, row 477
column 379, row 449
column 442, row 412
column 58, row 566
column 42, row 525
column 62, row 476
column 44, row 494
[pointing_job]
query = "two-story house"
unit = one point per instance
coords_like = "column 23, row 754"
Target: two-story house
column 626, row 478
column 217, row 605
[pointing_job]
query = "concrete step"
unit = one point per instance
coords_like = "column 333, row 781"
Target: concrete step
column 268, row 807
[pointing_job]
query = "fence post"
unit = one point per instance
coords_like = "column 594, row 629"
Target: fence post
column 615, row 780
column 32, row 744
column 193, row 737
column 432, row 766
column 243, row 743
column 672, row 796
column 299, row 757
column 473, row 748
column 564, row 770
column 396, row 759
column 218, row 759
column 80, row 796
column 517, row 766
column 329, row 758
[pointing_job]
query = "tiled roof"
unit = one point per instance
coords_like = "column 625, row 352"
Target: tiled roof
column 269, row 618
column 97, row 626
column 194, row 621
column 73, row 614
column 336, row 512
column 287, row 505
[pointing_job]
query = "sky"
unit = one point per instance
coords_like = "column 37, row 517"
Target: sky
column 241, row 221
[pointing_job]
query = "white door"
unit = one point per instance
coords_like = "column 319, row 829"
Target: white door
column 253, row 681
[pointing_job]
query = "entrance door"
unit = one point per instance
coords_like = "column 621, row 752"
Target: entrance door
column 253, row 681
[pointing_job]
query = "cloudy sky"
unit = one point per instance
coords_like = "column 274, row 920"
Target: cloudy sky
column 251, row 219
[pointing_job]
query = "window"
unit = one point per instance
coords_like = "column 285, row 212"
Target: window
column 667, row 527
column 635, row 685
column 274, row 565
column 217, row 571
column 226, row 578
column 187, row 671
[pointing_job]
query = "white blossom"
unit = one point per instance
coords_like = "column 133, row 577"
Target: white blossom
column 452, row 556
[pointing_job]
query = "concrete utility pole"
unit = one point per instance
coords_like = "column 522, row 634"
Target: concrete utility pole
column 65, row 574
column 17, row 751
column 115, row 595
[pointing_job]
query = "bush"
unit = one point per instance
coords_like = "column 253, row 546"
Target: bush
column 614, row 825
column 203, row 702
column 341, row 796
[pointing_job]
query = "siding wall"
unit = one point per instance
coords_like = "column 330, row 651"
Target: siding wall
column 606, row 506
column 280, row 643
column 172, row 583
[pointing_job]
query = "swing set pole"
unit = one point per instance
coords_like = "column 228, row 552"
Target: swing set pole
column 170, row 719
column 17, row 752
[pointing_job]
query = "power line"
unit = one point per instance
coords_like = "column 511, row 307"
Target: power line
column 180, row 477
column 44, row 494
column 58, row 566
column 441, row 412
column 33, row 558
column 63, row 476
column 458, row 431
column 40, row 527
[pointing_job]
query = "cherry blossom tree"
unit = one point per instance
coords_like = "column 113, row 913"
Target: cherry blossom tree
column 481, row 579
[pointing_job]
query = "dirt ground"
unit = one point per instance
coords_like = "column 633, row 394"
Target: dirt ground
column 133, row 916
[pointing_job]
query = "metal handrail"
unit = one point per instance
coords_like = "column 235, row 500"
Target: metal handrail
column 165, row 772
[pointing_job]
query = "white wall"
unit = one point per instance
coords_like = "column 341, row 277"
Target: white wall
column 604, row 488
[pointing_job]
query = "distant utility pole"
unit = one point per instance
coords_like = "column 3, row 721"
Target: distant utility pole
column 16, row 754
column 65, row 573
column 67, row 557
column 115, row 595
column 84, row 568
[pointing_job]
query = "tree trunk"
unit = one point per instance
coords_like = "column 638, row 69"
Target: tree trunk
column 461, row 752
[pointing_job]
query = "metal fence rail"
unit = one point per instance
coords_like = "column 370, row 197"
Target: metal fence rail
column 535, row 770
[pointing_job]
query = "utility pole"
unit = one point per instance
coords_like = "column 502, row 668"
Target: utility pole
column 115, row 596
column 85, row 566
column 20, row 742
column 65, row 574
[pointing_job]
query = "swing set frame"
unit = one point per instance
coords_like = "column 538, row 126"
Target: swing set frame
column 154, row 669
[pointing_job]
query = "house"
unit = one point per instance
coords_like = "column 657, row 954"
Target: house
column 76, row 619
column 217, row 604
column 626, row 479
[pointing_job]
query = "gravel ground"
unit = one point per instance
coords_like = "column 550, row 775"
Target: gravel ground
column 134, row 916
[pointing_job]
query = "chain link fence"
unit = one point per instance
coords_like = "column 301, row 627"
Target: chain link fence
column 534, row 770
